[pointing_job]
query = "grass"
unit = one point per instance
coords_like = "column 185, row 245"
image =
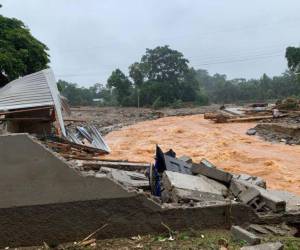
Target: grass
column 208, row 240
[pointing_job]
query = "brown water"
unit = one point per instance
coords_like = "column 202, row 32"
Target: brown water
column 225, row 145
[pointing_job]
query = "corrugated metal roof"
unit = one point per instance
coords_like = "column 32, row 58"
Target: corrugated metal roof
column 88, row 136
column 34, row 90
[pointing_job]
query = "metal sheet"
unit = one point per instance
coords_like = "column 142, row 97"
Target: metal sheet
column 88, row 136
column 34, row 90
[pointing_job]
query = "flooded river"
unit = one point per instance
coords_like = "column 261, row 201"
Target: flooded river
column 225, row 145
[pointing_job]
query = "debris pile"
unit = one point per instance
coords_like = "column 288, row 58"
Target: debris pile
column 253, row 112
column 183, row 182
column 32, row 104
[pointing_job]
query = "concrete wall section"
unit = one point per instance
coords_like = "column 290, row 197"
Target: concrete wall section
column 68, row 222
column 30, row 174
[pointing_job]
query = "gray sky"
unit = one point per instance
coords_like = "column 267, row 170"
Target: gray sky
column 90, row 38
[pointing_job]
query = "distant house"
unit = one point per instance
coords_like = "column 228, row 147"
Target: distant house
column 98, row 100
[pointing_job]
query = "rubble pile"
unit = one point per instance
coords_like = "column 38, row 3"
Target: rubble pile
column 253, row 112
column 181, row 181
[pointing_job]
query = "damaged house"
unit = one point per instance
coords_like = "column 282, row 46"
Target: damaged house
column 56, row 188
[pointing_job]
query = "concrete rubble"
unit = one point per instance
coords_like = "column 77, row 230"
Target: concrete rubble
column 265, row 246
column 56, row 188
column 241, row 234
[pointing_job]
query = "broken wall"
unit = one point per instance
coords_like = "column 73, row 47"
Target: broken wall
column 43, row 199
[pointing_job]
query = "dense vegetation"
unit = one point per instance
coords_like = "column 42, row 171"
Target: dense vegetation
column 163, row 78
column 20, row 52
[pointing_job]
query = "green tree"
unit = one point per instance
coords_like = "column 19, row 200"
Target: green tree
column 20, row 52
column 122, row 86
column 163, row 74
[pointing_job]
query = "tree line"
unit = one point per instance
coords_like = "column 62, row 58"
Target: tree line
column 162, row 77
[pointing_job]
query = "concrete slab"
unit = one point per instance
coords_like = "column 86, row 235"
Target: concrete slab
column 249, row 194
column 265, row 246
column 30, row 174
column 236, row 188
column 208, row 169
column 258, row 181
column 183, row 195
column 127, row 178
column 240, row 233
column 292, row 200
column 200, row 186
column 186, row 159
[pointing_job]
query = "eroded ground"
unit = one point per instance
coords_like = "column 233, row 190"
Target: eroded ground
column 226, row 145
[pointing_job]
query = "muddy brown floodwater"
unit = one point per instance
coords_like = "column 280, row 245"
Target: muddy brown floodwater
column 226, row 145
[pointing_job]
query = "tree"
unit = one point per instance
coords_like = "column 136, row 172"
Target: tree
column 163, row 74
column 20, row 52
column 163, row 64
column 293, row 57
column 121, row 85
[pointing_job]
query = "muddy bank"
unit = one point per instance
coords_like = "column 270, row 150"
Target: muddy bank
column 226, row 145
column 284, row 130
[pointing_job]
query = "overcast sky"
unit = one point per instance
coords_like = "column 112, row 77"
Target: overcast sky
column 90, row 38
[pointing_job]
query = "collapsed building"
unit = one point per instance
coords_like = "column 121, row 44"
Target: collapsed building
column 56, row 188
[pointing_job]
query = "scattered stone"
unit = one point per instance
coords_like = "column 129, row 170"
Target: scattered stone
column 249, row 194
column 251, row 131
column 239, row 234
column 208, row 169
column 265, row 246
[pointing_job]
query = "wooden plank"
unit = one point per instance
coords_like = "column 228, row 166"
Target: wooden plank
column 252, row 118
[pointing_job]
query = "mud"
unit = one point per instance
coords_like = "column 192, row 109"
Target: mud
column 226, row 145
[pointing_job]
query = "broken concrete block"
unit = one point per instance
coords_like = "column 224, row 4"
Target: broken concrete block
column 186, row 159
column 176, row 165
column 292, row 200
column 184, row 195
column 258, row 181
column 127, row 178
column 265, row 246
column 275, row 203
column 236, row 188
column 258, row 229
column 182, row 184
column 208, row 169
column 257, row 204
column 249, row 194
column 239, row 234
